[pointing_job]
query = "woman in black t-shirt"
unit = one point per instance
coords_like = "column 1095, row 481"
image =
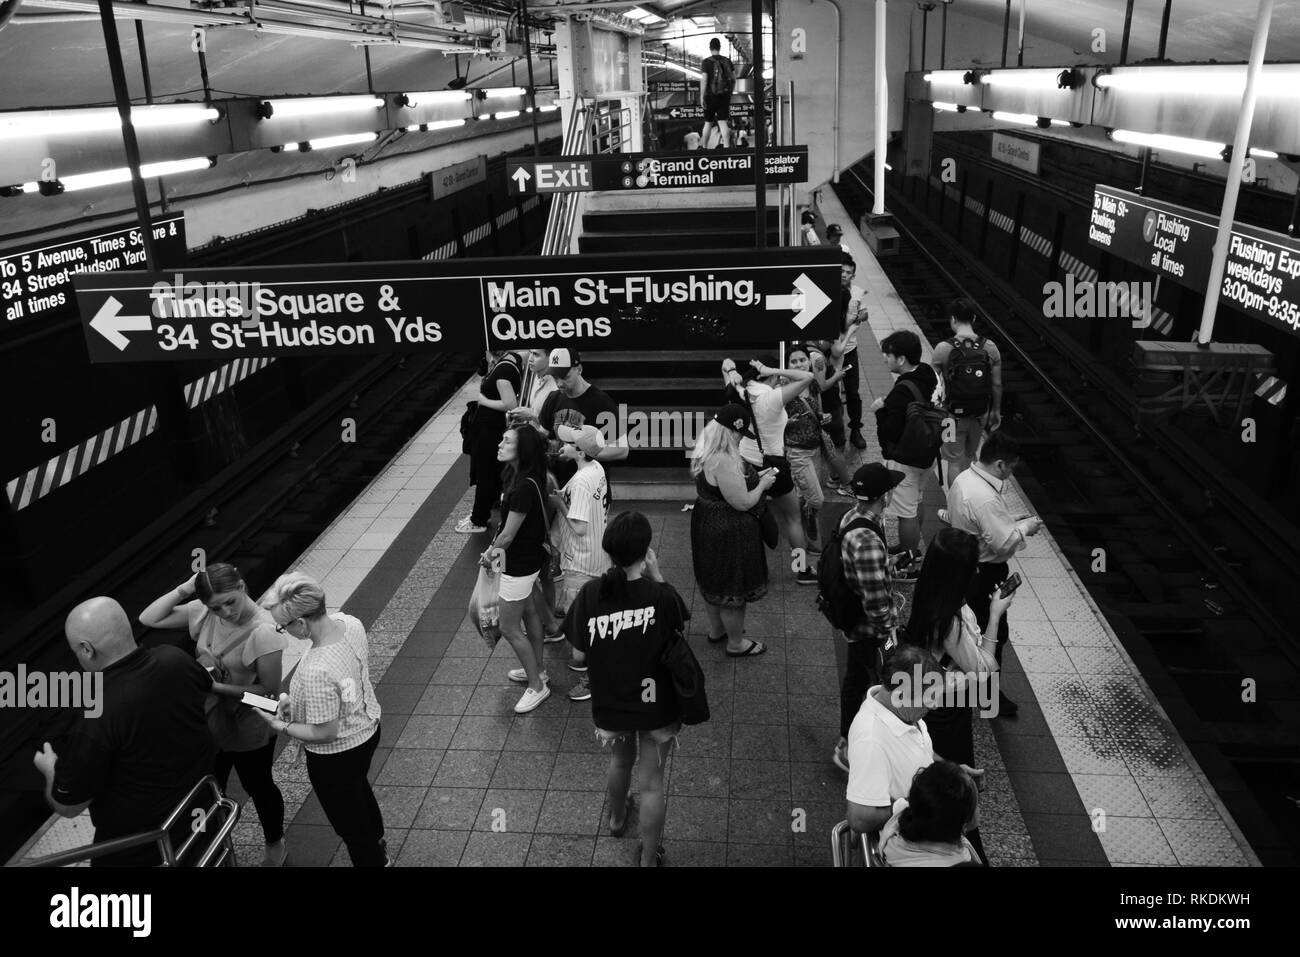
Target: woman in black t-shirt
column 498, row 394
column 519, row 546
column 623, row 622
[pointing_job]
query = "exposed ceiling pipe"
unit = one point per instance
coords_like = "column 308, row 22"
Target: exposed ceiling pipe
column 337, row 10
column 396, row 32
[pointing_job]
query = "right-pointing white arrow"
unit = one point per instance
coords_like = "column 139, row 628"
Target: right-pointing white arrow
column 807, row 303
column 110, row 325
column 521, row 177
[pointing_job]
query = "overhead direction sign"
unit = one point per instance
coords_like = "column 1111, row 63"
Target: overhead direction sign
column 36, row 282
column 1261, row 276
column 618, row 171
column 565, row 174
column 729, row 298
column 673, row 86
column 697, row 112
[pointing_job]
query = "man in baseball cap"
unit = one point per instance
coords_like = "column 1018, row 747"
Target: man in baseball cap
column 737, row 418
column 562, row 360
column 586, row 439
column 864, row 554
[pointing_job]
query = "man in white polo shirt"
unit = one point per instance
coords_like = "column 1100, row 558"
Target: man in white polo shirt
column 582, row 510
column 888, row 740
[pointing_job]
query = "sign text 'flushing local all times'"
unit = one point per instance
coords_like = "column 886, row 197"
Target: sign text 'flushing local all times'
column 744, row 299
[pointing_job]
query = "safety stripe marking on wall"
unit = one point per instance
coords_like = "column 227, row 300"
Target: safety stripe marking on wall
column 219, row 380
column 1271, row 389
column 36, row 483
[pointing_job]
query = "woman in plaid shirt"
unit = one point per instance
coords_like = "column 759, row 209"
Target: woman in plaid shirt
column 331, row 708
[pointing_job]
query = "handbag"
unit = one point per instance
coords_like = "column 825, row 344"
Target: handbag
column 467, row 428
column 551, row 564
column 226, row 716
column 688, row 679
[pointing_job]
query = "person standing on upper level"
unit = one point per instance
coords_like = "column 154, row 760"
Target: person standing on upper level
column 717, row 82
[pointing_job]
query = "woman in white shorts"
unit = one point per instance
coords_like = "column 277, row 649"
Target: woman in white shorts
column 520, row 547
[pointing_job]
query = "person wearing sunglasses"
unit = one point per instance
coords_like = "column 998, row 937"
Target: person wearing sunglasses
column 332, row 709
column 236, row 642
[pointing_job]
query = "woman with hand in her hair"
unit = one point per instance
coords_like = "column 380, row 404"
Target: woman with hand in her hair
column 624, row 621
column 927, row 829
column 331, row 708
column 238, row 644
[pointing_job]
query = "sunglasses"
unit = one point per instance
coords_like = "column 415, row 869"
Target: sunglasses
column 284, row 629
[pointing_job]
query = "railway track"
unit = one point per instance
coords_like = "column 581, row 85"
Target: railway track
column 1198, row 593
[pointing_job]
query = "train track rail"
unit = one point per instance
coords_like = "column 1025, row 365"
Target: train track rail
column 1187, row 596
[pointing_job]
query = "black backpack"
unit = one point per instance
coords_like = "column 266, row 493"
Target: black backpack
column 836, row 598
column 918, row 446
column 722, row 78
column 968, row 377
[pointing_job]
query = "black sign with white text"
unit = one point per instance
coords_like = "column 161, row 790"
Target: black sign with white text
column 697, row 112
column 1261, row 276
column 699, row 169
column 741, row 298
column 37, row 283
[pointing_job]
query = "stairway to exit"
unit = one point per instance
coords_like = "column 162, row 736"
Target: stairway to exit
column 667, row 395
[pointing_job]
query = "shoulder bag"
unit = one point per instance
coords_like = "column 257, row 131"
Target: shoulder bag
column 551, row 563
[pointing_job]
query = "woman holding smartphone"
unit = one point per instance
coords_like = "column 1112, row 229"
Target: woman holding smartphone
column 942, row 623
column 238, row 644
column 331, row 708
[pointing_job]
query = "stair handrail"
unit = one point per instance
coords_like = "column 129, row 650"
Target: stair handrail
column 559, row 222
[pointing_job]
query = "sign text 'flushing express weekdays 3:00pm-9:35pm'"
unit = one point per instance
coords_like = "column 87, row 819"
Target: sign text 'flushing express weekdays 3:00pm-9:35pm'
column 731, row 298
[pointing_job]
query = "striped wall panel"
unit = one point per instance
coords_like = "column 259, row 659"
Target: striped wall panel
column 38, row 482
column 219, row 380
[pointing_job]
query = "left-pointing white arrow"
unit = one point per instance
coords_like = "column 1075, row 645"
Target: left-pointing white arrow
column 807, row 302
column 521, row 177
column 110, row 325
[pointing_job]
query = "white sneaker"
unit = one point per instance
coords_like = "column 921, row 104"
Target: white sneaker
column 532, row 699
column 466, row 527
column 945, row 516
column 520, row 676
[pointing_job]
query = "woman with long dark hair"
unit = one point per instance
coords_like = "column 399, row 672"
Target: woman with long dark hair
column 944, row 625
column 624, row 621
column 520, row 547
column 498, row 394
column 237, row 642
column 928, row 828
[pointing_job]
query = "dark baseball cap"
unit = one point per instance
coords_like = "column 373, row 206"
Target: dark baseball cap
column 735, row 417
column 561, row 361
column 873, row 480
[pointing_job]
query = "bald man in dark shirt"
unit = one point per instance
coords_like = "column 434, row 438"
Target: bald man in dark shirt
column 137, row 760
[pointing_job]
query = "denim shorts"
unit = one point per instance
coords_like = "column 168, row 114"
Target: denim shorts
column 668, row 732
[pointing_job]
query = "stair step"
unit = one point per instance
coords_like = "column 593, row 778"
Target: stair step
column 635, row 483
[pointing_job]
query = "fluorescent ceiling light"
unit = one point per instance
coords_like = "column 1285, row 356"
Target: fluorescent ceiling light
column 316, row 106
column 56, row 122
column 436, row 96
column 670, row 65
column 1176, row 144
column 483, row 116
column 549, row 108
column 643, row 16
column 413, row 128
column 445, row 124
column 109, row 177
column 347, row 139
column 704, row 23
column 1024, row 119
column 1262, row 154
column 950, row 77
column 1023, row 79
column 507, row 115
column 945, row 107
column 505, row 91
column 1224, row 81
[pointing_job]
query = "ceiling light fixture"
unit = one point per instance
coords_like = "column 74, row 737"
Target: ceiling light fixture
column 945, row 107
column 1281, row 81
column 505, row 91
column 110, row 177
column 317, row 106
column 432, row 97
column 445, row 124
column 347, row 139
column 63, row 122
column 507, row 115
column 1177, row 144
column 1027, row 119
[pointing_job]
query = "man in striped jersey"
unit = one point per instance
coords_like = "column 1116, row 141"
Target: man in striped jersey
column 581, row 510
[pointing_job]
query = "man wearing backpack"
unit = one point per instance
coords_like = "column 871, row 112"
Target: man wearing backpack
column 857, row 591
column 716, row 85
column 971, row 369
column 910, row 447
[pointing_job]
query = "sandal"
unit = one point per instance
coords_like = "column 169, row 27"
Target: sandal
column 659, row 854
column 719, row 640
column 627, row 816
column 755, row 648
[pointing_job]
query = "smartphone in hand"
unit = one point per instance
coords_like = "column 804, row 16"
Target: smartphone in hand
column 260, row 702
column 1009, row 586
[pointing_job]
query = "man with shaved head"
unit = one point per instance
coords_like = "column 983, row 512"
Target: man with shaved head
column 139, row 758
